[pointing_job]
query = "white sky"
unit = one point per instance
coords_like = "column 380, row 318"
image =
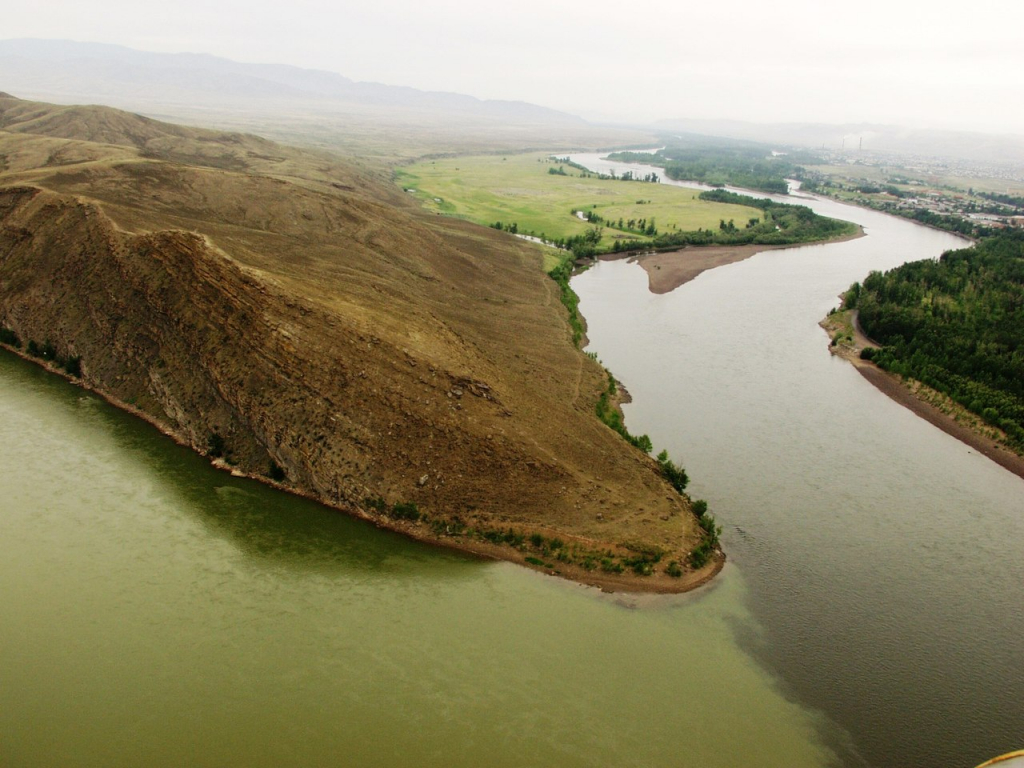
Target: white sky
column 922, row 63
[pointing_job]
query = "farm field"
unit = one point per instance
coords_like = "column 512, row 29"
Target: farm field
column 522, row 190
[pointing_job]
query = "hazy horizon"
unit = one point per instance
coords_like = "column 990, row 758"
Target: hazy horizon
column 891, row 63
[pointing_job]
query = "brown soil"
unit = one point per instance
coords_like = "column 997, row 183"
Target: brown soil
column 302, row 310
column 967, row 430
column 671, row 269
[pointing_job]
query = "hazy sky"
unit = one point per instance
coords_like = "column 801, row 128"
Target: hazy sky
column 920, row 63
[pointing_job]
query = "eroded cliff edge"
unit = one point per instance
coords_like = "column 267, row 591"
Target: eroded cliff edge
column 292, row 314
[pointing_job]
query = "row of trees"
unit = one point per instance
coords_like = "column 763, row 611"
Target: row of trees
column 782, row 224
column 741, row 166
column 957, row 325
column 1013, row 201
column 646, row 227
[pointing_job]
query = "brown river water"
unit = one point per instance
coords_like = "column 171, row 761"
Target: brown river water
column 158, row 612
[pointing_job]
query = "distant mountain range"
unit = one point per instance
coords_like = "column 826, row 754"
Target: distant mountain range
column 978, row 147
column 308, row 106
column 124, row 77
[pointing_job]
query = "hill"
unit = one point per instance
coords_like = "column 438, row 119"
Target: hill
column 296, row 317
column 289, row 103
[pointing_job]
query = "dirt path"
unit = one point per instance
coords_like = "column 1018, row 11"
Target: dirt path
column 860, row 339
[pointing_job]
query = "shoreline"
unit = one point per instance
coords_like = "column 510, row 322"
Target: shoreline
column 667, row 270
column 620, row 583
column 968, row 238
column 902, row 391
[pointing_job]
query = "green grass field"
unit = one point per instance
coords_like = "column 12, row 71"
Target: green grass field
column 519, row 189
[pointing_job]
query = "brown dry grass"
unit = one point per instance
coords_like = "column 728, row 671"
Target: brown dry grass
column 319, row 321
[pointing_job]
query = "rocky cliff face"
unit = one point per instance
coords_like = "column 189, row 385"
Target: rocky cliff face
column 303, row 324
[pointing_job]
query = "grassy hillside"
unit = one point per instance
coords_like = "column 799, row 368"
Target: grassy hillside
column 304, row 320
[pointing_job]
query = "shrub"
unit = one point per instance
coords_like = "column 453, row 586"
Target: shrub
column 514, row 538
column 699, row 507
column 376, row 503
column 73, row 366
column 10, row 338
column 442, row 527
column 610, row 566
column 215, row 445
column 643, row 442
column 643, row 560
column 276, row 472
column 703, row 551
column 640, row 567
column 405, row 511
column 672, row 472
column 700, row 554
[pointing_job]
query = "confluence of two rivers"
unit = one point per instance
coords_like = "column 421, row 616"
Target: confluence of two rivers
column 158, row 612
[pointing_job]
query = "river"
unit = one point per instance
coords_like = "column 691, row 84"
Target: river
column 884, row 559
column 158, row 612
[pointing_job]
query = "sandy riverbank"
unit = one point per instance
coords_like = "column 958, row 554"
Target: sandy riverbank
column 671, row 269
column 968, row 428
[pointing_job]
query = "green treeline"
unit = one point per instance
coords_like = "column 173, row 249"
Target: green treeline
column 783, row 224
column 949, row 222
column 676, row 476
column 610, row 414
column 586, row 173
column 1011, row 200
column 742, row 166
column 568, row 161
column 957, row 325
column 646, row 227
column 570, row 300
column 896, row 203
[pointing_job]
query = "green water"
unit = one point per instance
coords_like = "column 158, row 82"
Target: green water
column 156, row 612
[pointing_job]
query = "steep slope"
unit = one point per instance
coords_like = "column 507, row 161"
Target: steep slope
column 314, row 330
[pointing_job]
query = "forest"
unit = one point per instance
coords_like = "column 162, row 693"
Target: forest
column 955, row 324
column 737, row 164
column 782, row 224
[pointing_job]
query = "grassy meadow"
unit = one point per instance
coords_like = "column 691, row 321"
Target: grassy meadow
column 520, row 189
